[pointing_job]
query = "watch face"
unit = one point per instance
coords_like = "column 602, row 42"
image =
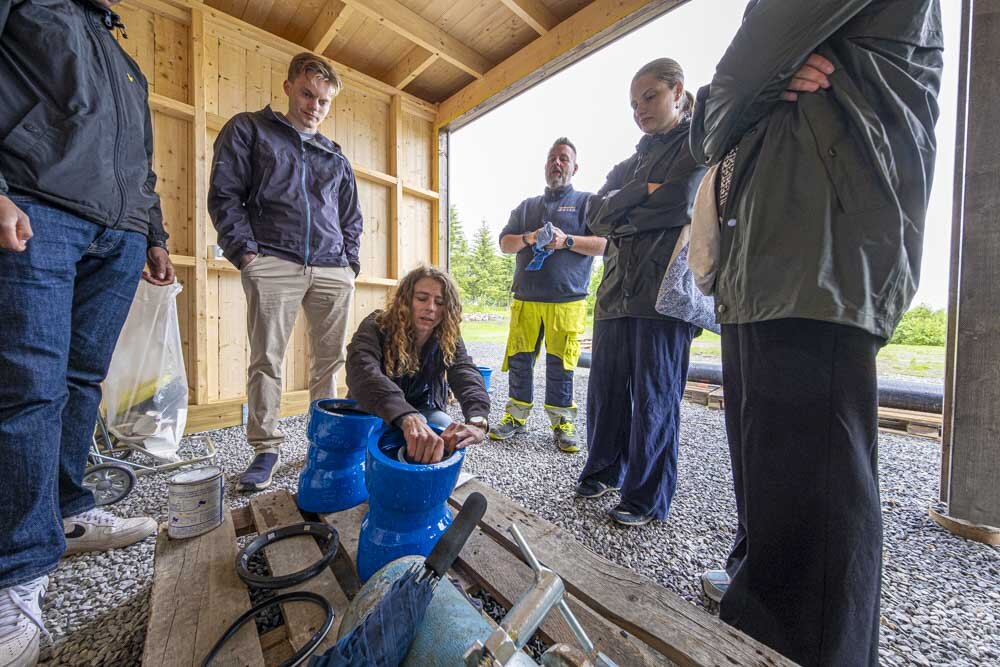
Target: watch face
column 569, row 241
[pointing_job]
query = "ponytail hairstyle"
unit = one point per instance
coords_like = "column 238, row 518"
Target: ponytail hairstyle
column 669, row 71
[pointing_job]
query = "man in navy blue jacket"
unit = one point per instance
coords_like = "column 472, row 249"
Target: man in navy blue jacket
column 285, row 205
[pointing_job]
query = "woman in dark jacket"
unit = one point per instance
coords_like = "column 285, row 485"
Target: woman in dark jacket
column 399, row 358
column 640, row 357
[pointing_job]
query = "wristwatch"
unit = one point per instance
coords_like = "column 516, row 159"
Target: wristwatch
column 479, row 422
column 570, row 242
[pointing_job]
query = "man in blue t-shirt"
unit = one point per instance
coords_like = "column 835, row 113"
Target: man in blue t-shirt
column 555, row 251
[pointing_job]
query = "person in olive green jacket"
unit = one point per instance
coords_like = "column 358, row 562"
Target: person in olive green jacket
column 822, row 114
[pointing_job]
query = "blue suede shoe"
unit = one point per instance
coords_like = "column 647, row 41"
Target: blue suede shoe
column 258, row 476
column 625, row 517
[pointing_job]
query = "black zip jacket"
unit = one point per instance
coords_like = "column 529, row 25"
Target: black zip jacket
column 271, row 192
column 643, row 228
column 75, row 129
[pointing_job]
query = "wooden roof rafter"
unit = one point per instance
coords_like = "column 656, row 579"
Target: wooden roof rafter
column 534, row 13
column 333, row 17
column 407, row 23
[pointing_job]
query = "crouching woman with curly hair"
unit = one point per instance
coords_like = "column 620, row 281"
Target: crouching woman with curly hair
column 400, row 357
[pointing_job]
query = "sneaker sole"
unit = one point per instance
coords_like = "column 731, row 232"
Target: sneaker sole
column 606, row 491
column 640, row 522
column 493, row 436
column 571, row 449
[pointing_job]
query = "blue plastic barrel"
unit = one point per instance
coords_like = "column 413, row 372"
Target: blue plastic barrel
column 407, row 503
column 487, row 374
column 333, row 478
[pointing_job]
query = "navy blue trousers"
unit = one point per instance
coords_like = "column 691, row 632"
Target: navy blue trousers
column 637, row 375
column 802, row 420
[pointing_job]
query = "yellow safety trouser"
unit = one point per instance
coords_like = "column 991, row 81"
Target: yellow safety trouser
column 562, row 323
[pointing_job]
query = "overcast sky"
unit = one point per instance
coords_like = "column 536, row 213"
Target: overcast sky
column 498, row 160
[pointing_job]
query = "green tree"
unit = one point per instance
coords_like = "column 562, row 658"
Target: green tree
column 921, row 326
column 458, row 253
column 489, row 273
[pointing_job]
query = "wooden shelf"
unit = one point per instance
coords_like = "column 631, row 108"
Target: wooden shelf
column 171, row 107
column 423, row 193
column 183, row 260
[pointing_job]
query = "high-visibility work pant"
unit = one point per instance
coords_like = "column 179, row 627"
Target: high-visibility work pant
column 560, row 326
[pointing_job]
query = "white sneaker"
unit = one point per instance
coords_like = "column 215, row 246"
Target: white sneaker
column 21, row 623
column 98, row 530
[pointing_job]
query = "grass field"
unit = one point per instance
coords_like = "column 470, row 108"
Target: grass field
column 914, row 361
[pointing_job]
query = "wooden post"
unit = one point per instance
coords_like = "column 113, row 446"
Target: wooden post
column 199, row 187
column 973, row 388
column 440, row 231
column 396, row 196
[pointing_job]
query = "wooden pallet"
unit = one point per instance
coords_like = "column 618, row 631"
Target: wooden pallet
column 196, row 593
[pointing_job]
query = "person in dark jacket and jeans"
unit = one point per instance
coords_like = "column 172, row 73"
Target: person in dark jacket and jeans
column 78, row 218
column 830, row 108
column 640, row 357
column 400, row 357
column 285, row 204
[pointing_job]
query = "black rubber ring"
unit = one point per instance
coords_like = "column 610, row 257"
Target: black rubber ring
column 298, row 596
column 315, row 529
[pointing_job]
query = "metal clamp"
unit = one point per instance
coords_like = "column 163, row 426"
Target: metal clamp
column 527, row 614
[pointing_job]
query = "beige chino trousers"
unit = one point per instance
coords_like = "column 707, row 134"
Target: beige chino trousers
column 275, row 290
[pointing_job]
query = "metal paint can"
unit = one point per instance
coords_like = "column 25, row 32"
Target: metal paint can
column 195, row 502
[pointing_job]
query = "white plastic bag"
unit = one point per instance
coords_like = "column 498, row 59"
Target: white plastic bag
column 146, row 391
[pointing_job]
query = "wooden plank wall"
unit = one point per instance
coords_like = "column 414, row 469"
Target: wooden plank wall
column 205, row 66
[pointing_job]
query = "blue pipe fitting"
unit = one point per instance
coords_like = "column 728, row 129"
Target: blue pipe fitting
column 333, row 478
column 407, row 503
column 487, row 374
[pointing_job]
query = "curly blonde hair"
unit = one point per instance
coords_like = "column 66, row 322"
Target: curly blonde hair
column 401, row 354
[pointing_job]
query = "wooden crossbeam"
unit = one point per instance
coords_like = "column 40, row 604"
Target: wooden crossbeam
column 327, row 25
column 409, row 67
column 534, row 13
column 414, row 27
column 592, row 27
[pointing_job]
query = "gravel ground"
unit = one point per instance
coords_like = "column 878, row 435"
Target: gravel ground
column 940, row 598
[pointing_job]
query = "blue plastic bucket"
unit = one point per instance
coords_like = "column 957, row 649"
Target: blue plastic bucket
column 487, row 374
column 407, row 503
column 333, row 478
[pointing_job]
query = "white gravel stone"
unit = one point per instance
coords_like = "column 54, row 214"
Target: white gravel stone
column 940, row 593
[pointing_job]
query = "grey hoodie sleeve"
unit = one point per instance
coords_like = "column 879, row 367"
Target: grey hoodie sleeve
column 776, row 38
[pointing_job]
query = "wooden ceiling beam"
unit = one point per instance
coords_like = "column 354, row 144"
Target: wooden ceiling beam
column 327, row 25
column 594, row 26
column 407, row 23
column 409, row 67
column 534, row 13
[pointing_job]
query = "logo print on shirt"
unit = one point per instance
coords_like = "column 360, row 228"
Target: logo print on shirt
column 129, row 75
column 567, row 209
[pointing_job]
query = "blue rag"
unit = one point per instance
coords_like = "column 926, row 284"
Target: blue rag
column 543, row 238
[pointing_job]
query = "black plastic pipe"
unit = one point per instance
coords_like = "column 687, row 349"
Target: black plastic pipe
column 897, row 394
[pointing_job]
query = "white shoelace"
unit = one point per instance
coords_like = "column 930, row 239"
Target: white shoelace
column 18, row 600
column 96, row 516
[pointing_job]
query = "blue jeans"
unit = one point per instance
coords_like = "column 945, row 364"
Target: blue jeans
column 63, row 302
